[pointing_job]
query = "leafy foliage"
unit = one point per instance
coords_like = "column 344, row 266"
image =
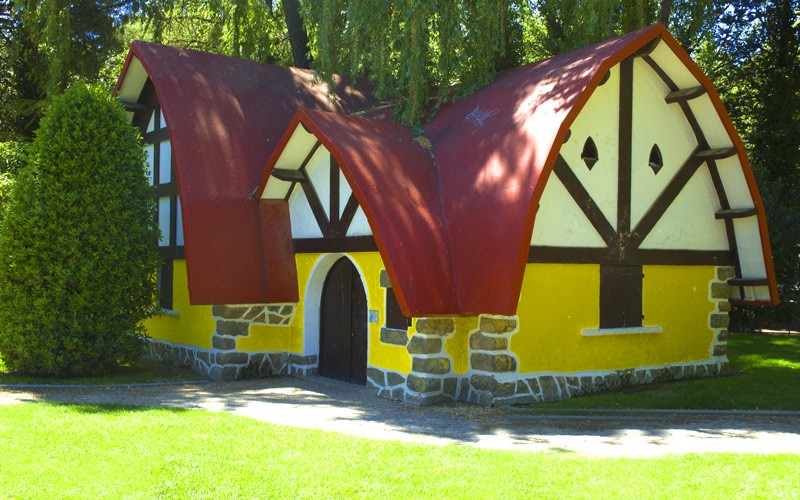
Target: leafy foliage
column 409, row 48
column 754, row 58
column 76, row 254
column 47, row 45
column 250, row 29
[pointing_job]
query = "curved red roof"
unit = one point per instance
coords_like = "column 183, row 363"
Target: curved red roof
column 453, row 219
column 225, row 116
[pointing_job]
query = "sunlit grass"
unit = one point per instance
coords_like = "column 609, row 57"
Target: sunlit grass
column 765, row 376
column 55, row 451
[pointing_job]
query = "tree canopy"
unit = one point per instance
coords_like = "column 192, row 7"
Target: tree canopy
column 419, row 54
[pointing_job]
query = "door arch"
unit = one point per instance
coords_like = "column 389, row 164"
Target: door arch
column 343, row 325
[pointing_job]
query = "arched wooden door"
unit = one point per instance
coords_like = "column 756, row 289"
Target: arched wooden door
column 343, row 325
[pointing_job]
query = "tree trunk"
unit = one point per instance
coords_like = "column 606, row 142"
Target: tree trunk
column 664, row 10
column 298, row 38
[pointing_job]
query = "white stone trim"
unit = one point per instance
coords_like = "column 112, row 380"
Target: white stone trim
column 630, row 330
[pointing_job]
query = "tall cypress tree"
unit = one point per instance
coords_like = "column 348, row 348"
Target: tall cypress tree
column 77, row 246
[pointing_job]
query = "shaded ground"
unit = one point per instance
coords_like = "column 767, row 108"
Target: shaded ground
column 324, row 404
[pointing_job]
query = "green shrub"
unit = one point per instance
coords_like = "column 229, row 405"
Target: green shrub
column 12, row 157
column 77, row 246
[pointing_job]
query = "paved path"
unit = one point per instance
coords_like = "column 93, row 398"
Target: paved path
column 329, row 405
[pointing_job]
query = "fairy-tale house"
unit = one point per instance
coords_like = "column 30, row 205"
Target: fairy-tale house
column 580, row 224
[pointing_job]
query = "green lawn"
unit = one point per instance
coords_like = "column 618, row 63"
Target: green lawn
column 138, row 372
column 71, row 451
column 765, row 376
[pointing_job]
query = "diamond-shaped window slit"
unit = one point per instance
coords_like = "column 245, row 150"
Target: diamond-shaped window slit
column 589, row 153
column 656, row 161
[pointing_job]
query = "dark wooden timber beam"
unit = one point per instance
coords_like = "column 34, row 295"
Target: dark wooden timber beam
column 585, row 202
column 683, row 95
column 288, row 175
column 735, row 213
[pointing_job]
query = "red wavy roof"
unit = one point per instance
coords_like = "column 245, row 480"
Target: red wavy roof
column 453, row 221
column 225, row 116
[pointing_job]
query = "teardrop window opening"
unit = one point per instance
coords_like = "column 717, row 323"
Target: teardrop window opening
column 589, row 153
column 656, row 161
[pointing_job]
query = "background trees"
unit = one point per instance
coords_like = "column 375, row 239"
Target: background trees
column 419, row 54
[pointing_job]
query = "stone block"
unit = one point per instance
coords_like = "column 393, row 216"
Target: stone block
column 423, row 384
column 521, row 388
column 436, row 366
column 394, row 337
column 424, row 399
column 274, row 319
column 398, row 393
column 393, row 379
column 450, row 387
column 487, row 383
column 723, row 335
column 376, row 376
column 724, row 306
column 720, row 350
column 254, row 312
column 223, row 343
column 232, row 358
column 280, row 362
column 229, row 312
column 550, row 390
column 424, row 345
column 300, row 359
column 533, row 383
column 724, row 273
column 233, row 328
column 496, row 363
column 287, row 310
column 497, row 326
column 676, row 372
column 481, row 342
column 436, row 326
column 223, row 373
column 719, row 320
column 200, row 368
column 720, row 290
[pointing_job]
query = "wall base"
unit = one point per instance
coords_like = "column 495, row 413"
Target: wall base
column 216, row 364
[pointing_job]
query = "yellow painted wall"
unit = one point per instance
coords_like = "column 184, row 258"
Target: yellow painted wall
column 457, row 346
column 559, row 300
column 268, row 338
column 194, row 326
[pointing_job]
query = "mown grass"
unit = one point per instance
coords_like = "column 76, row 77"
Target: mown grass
column 72, row 451
column 136, row 372
column 765, row 376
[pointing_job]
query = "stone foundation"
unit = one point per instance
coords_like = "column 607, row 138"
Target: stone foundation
column 231, row 365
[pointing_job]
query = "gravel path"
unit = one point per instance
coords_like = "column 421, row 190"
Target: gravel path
column 325, row 404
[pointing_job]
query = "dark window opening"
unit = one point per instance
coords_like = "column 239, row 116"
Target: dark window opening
column 394, row 316
column 656, row 161
column 621, row 296
column 589, row 153
column 150, row 121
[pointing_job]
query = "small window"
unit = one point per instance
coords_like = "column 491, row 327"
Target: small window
column 165, row 163
column 164, row 221
column 656, row 161
column 621, row 296
column 589, row 153
column 394, row 316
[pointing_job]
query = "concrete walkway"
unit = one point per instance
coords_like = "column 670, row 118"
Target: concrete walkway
column 325, row 404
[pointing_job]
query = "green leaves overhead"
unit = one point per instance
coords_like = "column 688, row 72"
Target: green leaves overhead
column 411, row 49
